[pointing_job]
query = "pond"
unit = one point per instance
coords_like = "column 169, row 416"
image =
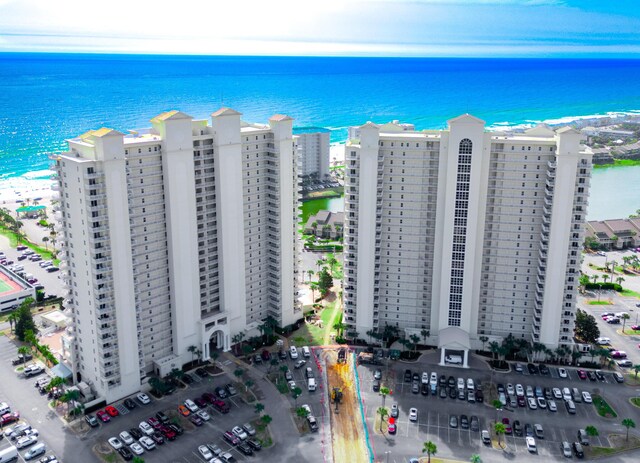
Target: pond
column 322, row 204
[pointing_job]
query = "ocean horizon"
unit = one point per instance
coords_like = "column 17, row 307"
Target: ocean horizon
column 48, row 98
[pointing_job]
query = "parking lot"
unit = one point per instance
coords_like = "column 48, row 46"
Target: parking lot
column 51, row 281
column 185, row 448
column 434, row 412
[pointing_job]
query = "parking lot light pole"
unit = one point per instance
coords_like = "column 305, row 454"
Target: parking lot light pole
column 387, row 454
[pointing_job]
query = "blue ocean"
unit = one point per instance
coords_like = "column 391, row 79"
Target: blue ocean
column 47, row 98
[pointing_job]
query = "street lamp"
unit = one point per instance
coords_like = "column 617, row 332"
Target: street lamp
column 387, row 454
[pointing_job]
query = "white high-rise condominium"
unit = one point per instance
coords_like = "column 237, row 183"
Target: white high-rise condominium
column 175, row 239
column 464, row 233
column 313, row 145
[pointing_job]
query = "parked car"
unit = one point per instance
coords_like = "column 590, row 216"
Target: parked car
column 196, row 420
column 562, row 372
column 115, row 443
column 91, row 420
column 184, row 411
column 103, row 416
column 125, row 453
column 222, row 392
column 130, row 404
column 112, row 411
column 239, row 432
column 413, row 414
column 147, row 443
column 143, row 398
column 566, row 449
column 126, row 438
column 231, row 438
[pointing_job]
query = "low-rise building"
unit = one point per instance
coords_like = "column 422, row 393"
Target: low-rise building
column 615, row 234
column 13, row 289
column 325, row 224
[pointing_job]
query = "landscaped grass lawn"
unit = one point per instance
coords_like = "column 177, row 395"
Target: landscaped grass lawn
column 600, row 303
column 602, row 407
column 628, row 292
column 635, row 401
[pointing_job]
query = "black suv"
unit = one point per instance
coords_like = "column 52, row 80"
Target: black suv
column 407, row 376
column 544, row 370
column 162, row 417
column 125, row 453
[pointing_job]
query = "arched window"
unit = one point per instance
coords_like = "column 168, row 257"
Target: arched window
column 465, row 146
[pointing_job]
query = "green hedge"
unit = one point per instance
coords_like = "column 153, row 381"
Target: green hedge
column 607, row 286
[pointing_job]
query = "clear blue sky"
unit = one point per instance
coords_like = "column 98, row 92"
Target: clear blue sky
column 483, row 28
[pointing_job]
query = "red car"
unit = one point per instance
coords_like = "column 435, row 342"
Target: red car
column 104, row 416
column 582, row 374
column 154, row 423
column 221, row 406
column 507, row 426
column 521, row 401
column 209, row 397
column 9, row 418
column 111, row 411
column 266, row 355
column 200, row 402
column 392, row 428
column 635, row 327
column 231, row 438
column 167, row 432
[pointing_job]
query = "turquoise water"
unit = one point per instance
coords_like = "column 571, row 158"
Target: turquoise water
column 615, row 192
column 47, row 98
column 327, row 204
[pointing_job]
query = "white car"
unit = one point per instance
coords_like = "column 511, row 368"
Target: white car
column 552, row 406
column 145, row 428
column 191, row 405
column 126, row 438
column 293, row 352
column 510, row 389
column 562, row 372
column 413, row 414
column 433, row 381
column 292, row 385
column 205, row 452
column 586, row 397
column 204, row 415
column 460, row 384
column 531, row 445
column 519, row 390
column 307, row 408
column 239, row 433
column 530, row 391
column 143, row 398
column 249, row 429
column 115, row 443
column 147, row 443
column 566, row 394
column 542, row 403
column 136, row 448
column 425, row 378
column 26, row 441
column 532, row 403
column 557, row 393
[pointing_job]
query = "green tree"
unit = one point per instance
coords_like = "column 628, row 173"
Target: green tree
column 495, row 349
column 475, row 458
column 24, row 320
column 302, row 412
column 497, row 405
column 266, row 419
column 137, row 459
column 483, row 340
column 500, row 429
column 259, row 408
column 586, row 328
column 636, row 369
column 325, row 282
column 55, row 382
column 24, row 350
column 30, row 337
column 247, row 384
column 628, row 423
column 383, row 412
column 384, row 391
column 177, row 373
column 238, row 372
column 414, row 340
column 625, row 317
column 430, row 448
column 193, row 350
column 425, row 334
column 591, row 431
column 12, row 318
column 284, row 369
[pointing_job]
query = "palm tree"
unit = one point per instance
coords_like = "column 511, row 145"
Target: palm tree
column 497, row 405
column 310, row 273
column 383, row 412
column 625, row 317
column 619, row 280
column 259, row 408
column 605, row 278
column 296, row 393
column 595, row 278
column 628, row 423
column 475, row 458
column 12, row 318
column 575, row 356
column 192, row 349
column 302, row 412
column 425, row 334
column 266, row 419
column 500, row 429
column 71, row 397
column 429, row 448
column 383, row 392
column 45, row 240
column 495, row 348
column 483, row 340
column 24, row 350
column 591, row 431
column 339, row 327
column 414, row 342
column 236, row 340
column 636, row 369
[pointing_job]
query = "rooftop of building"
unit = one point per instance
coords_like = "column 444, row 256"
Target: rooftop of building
column 615, row 227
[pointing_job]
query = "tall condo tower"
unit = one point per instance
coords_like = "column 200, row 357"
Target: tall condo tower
column 175, row 239
column 464, row 233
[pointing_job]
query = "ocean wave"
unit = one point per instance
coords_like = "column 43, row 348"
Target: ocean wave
column 566, row 120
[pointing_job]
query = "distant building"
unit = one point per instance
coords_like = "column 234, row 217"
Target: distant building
column 393, row 126
column 312, row 146
column 174, row 238
column 13, row 289
column 327, row 225
column 615, row 234
column 602, row 156
column 464, row 233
